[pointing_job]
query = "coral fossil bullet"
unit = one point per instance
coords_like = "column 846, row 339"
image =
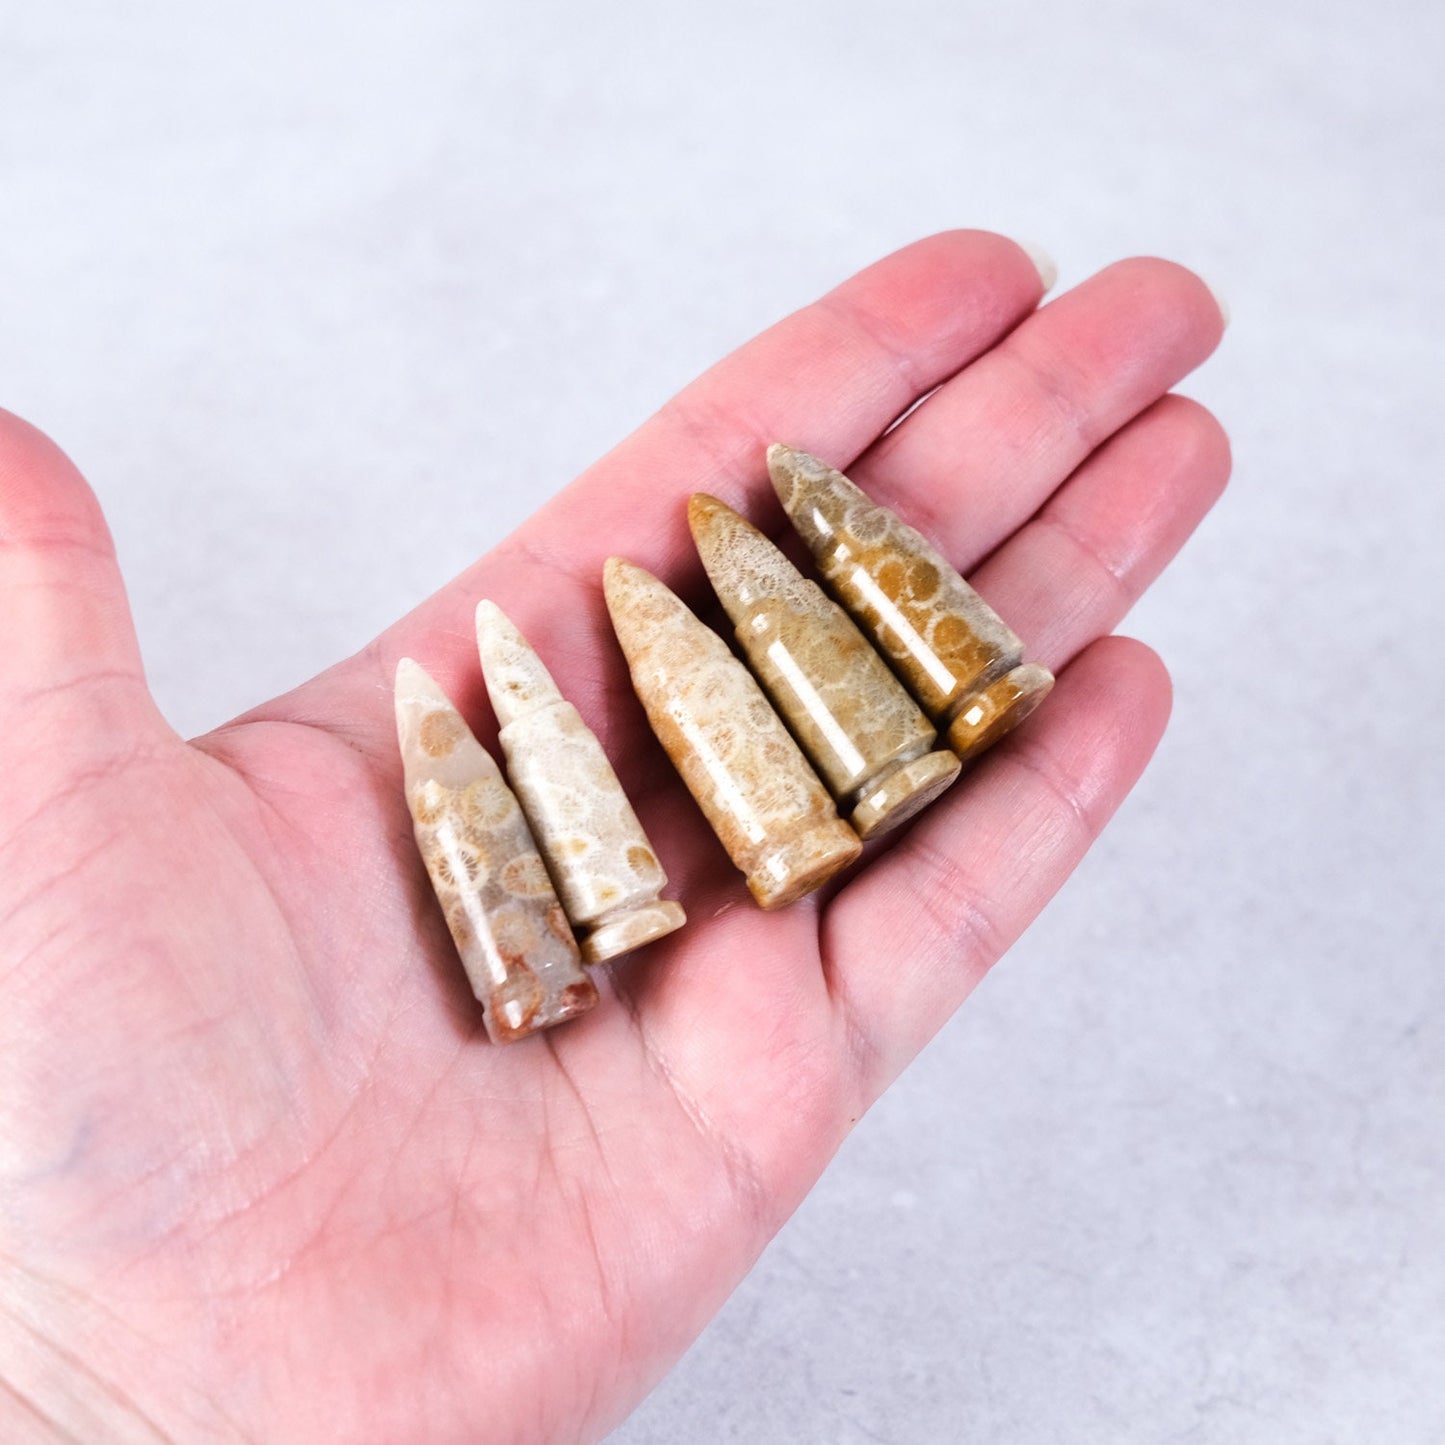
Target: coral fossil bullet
column 599, row 857
column 509, row 928
column 764, row 802
column 855, row 720
column 951, row 648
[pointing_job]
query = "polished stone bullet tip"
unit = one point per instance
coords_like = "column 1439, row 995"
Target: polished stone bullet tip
column 715, row 528
column 618, row 574
column 814, row 494
column 518, row 682
column 417, row 695
column 620, row 580
column 999, row 708
column 744, row 567
column 704, row 509
column 414, row 681
column 639, row 603
column 788, row 464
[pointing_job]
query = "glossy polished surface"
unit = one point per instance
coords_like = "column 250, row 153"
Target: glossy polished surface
column 756, row 789
column 504, row 917
column 602, row 863
column 1181, row 1211
column 959, row 658
column 867, row 738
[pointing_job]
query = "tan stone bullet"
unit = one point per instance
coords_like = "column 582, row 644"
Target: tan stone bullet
column 509, row 928
column 959, row 659
column 605, row 869
column 865, row 735
column 753, row 785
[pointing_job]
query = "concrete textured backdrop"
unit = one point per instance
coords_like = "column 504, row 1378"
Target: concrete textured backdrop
column 324, row 297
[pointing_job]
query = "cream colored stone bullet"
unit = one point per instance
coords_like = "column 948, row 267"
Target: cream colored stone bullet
column 754, row 786
column 603, row 864
column 959, row 659
column 865, row 735
column 508, row 926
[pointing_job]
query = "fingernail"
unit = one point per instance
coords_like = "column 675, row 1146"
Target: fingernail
column 1044, row 264
column 1219, row 300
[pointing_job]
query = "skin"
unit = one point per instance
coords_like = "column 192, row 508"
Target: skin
column 261, row 1175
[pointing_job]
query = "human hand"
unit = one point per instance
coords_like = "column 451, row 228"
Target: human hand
column 261, row 1175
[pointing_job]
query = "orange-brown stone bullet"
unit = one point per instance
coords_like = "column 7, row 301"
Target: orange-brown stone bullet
column 865, row 735
column 754, row 786
column 508, row 926
column 959, row 659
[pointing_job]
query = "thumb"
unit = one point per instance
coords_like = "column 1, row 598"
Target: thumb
column 71, row 680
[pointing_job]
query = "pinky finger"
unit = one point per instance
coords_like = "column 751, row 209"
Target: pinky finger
column 908, row 939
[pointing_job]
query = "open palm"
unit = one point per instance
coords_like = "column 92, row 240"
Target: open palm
column 261, row 1174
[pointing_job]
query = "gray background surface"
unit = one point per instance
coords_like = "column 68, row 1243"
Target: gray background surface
column 323, row 297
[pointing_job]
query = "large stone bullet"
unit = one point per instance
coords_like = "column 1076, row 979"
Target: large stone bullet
column 865, row 735
column 754, row 786
column 605, row 869
column 509, row 928
column 959, row 659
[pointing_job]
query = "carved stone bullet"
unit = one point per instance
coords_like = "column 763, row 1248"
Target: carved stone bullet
column 755, row 788
column 509, row 928
column 854, row 719
column 603, row 865
column 959, row 659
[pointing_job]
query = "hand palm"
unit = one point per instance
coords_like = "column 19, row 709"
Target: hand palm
column 263, row 1171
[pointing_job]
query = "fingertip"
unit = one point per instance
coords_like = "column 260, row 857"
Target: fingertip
column 1129, row 652
column 43, row 497
column 941, row 300
column 1123, row 670
column 1179, row 287
column 974, row 247
column 1196, row 439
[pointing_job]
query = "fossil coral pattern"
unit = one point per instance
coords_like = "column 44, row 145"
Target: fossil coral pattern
column 605, row 869
column 855, row 720
column 754, row 786
column 509, row 928
column 959, row 659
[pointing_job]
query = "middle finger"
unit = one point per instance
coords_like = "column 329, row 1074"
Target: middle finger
column 987, row 449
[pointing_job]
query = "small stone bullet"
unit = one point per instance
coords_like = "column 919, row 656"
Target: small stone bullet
column 952, row 649
column 854, row 719
column 509, row 928
column 605, row 869
column 754, row 786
